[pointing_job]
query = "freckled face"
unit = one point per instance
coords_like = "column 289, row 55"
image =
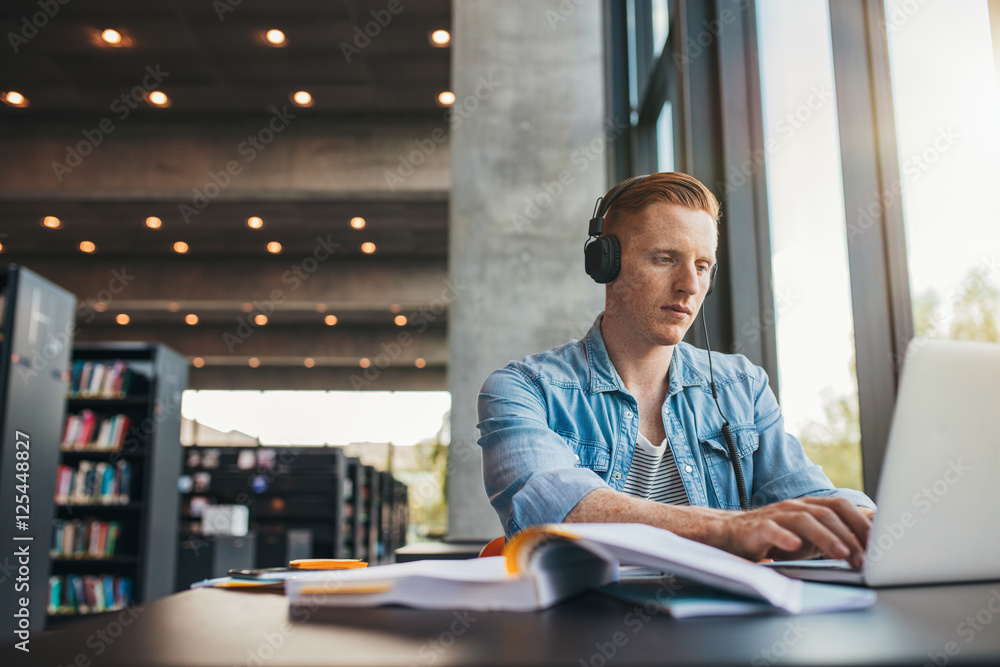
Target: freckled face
column 667, row 256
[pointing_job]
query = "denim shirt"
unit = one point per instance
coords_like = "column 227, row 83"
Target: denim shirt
column 561, row 423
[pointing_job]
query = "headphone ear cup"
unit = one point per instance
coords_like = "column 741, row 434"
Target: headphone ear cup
column 602, row 258
column 711, row 279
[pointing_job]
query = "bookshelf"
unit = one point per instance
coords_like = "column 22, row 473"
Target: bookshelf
column 290, row 492
column 36, row 330
column 115, row 523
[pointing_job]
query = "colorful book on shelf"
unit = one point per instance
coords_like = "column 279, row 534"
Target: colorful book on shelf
column 546, row 564
column 93, row 389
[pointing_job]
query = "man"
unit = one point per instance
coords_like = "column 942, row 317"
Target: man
column 621, row 426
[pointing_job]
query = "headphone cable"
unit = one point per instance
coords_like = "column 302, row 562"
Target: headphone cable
column 727, row 432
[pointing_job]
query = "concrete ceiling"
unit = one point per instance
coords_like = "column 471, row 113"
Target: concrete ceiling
column 374, row 97
column 215, row 56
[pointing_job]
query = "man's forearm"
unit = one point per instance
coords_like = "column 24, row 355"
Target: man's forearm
column 787, row 529
column 702, row 524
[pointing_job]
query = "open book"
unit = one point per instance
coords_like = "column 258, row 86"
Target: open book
column 545, row 564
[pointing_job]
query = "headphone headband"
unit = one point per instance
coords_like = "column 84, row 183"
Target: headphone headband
column 604, row 203
column 603, row 254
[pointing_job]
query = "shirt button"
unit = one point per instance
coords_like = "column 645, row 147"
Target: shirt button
column 688, row 468
column 628, row 414
column 618, row 475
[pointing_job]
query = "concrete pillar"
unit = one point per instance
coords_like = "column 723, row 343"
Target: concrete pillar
column 528, row 163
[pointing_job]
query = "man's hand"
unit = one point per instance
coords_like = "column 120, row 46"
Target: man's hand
column 800, row 528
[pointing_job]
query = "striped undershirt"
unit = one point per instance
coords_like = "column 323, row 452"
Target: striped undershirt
column 654, row 474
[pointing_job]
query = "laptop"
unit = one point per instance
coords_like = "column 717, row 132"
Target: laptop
column 938, row 518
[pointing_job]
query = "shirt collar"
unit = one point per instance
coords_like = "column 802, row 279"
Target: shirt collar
column 604, row 376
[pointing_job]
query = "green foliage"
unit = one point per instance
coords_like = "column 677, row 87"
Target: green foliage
column 835, row 442
column 971, row 314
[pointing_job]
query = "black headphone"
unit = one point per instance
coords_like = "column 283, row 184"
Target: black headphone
column 602, row 255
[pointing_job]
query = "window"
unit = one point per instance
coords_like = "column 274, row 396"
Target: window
column 814, row 321
column 661, row 24
column 665, row 139
column 947, row 103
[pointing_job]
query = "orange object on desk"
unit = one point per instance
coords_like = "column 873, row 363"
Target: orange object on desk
column 326, row 564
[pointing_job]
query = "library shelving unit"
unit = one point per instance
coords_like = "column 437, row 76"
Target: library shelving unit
column 352, row 526
column 290, row 492
column 115, row 524
column 36, row 330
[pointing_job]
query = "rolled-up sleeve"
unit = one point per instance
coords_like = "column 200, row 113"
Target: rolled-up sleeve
column 781, row 468
column 530, row 471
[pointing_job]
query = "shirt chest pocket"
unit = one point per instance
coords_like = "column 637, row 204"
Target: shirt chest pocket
column 588, row 454
column 720, row 470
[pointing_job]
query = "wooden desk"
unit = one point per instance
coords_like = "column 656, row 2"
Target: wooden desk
column 218, row 627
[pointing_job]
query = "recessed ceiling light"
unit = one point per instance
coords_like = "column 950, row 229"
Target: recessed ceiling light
column 368, row 247
column 159, row 99
column 302, row 98
column 122, row 318
column 275, row 37
column 191, row 319
column 274, row 247
column 400, row 320
column 153, row 222
column 52, row 222
column 255, row 222
column 440, row 38
column 15, row 99
column 254, row 362
column 197, row 362
column 446, row 98
column 330, row 320
column 419, row 363
column 308, row 362
column 260, row 319
column 1, row 247
column 109, row 38
column 358, row 223
column 181, row 247
column 364, row 362
column 87, row 246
